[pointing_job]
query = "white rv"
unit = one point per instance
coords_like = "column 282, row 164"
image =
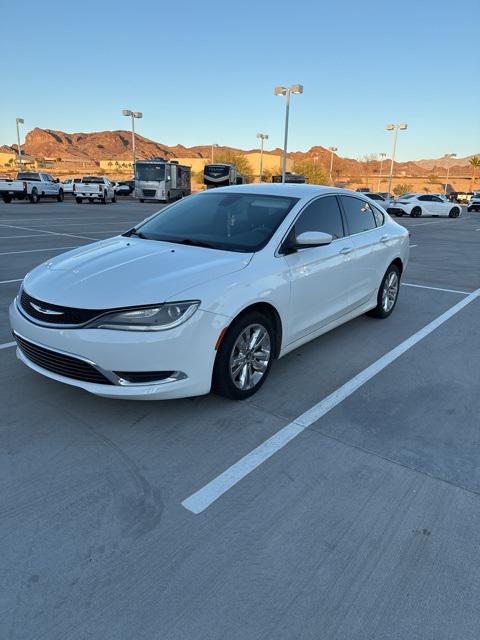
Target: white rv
column 160, row 179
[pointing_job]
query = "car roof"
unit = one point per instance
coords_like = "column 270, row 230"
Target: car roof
column 288, row 189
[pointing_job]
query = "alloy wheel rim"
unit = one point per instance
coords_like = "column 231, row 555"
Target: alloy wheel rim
column 250, row 357
column 390, row 291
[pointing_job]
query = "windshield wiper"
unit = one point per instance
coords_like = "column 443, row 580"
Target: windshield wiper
column 195, row 243
column 137, row 234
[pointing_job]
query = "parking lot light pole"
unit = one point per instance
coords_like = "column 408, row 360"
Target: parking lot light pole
column 214, row 146
column 382, row 157
column 332, row 151
column 262, row 136
column 287, row 92
column 133, row 115
column 18, row 122
column 448, row 155
column 394, row 127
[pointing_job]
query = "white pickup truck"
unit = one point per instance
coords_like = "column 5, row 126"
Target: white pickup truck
column 32, row 186
column 94, row 188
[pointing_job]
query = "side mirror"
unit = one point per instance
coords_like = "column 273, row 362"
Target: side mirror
column 312, row 239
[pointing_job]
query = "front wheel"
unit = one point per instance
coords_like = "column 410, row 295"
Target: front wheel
column 387, row 294
column 454, row 212
column 104, row 199
column 244, row 357
column 7, row 199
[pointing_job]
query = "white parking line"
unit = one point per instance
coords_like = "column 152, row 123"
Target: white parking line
column 424, row 286
column 52, row 233
column 7, row 345
column 204, row 497
column 8, row 281
column 11, row 253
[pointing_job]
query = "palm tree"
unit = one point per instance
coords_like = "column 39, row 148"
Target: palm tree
column 474, row 163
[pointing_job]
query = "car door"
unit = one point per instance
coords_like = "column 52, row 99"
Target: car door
column 439, row 206
column 427, row 204
column 320, row 276
column 371, row 246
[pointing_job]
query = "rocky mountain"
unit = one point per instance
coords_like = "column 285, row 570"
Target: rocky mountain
column 116, row 145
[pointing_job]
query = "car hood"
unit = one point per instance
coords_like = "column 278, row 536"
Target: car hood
column 128, row 272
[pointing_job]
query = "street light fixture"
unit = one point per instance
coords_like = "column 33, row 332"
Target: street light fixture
column 262, row 136
column 382, row 158
column 448, row 155
column 394, row 127
column 133, row 115
column 287, row 92
column 19, row 121
column 214, row 146
column 332, row 151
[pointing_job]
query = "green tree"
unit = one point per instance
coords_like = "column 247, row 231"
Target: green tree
column 400, row 189
column 474, row 163
column 313, row 171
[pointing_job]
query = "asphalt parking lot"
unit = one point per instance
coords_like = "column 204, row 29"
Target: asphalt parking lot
column 340, row 503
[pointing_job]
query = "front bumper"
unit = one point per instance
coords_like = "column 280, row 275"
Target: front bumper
column 187, row 350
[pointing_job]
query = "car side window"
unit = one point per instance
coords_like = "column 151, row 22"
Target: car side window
column 436, row 199
column 323, row 214
column 378, row 215
column 359, row 215
column 426, row 198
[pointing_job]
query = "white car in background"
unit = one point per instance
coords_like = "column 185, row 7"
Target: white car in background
column 207, row 293
column 423, row 204
column 67, row 184
column 379, row 199
column 474, row 204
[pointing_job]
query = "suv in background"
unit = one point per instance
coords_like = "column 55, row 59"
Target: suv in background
column 474, row 204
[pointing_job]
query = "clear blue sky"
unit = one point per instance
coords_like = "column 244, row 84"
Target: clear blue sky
column 204, row 71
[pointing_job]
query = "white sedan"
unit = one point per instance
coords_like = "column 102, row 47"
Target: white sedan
column 207, row 293
column 418, row 204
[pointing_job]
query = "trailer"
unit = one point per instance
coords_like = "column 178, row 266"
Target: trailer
column 163, row 180
column 222, row 175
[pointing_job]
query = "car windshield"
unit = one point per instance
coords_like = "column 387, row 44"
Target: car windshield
column 228, row 221
column 150, row 172
column 406, row 196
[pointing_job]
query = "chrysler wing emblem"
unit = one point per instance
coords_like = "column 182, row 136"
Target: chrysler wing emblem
column 47, row 312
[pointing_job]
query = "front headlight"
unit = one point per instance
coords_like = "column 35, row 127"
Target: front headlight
column 159, row 318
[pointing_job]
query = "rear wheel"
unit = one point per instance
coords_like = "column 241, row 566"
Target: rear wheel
column 7, row 199
column 244, row 357
column 387, row 294
column 416, row 212
column 454, row 212
column 34, row 197
column 78, row 200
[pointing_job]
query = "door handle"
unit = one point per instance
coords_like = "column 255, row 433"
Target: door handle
column 346, row 250
column 384, row 238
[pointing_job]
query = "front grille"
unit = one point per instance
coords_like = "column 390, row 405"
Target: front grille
column 59, row 315
column 140, row 377
column 59, row 363
column 149, row 193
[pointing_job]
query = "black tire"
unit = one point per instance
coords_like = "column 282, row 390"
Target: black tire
column 222, row 380
column 91, row 200
column 7, row 199
column 114, row 198
column 399, row 214
column 416, row 212
column 34, row 197
column 142, row 200
column 381, row 311
column 454, row 212
column 104, row 199
column 61, row 196
column 78, row 200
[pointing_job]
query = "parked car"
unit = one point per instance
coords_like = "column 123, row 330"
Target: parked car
column 93, row 188
column 31, row 185
column 418, row 204
column 474, row 204
column 207, row 293
column 379, row 199
column 67, row 184
column 122, row 189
